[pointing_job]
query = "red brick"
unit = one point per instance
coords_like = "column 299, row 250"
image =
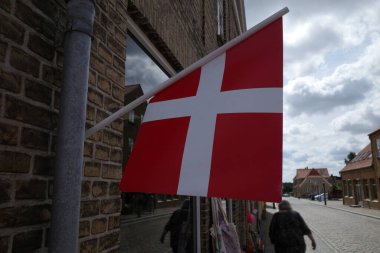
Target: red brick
column 89, row 246
column 108, row 241
column 41, row 47
column 48, row 7
column 24, row 215
column 90, row 113
column 112, row 138
column 21, row 111
column 117, row 125
column 99, row 226
column 27, row 241
column 84, row 229
column 100, row 32
column 106, row 22
column 109, row 206
column 92, row 77
column 10, row 82
column 4, row 240
column 95, row 97
column 85, row 189
column 88, row 149
column 43, row 165
column 112, row 172
column 11, row 30
column 3, row 50
column 31, row 189
column 5, row 190
column 35, row 20
column 114, row 189
column 102, row 153
column 99, row 189
column 52, row 75
column 21, row 60
column 104, row 85
column 35, row 139
column 38, row 92
column 5, row 5
column 100, row 115
column 89, row 208
column 115, row 76
column 92, row 169
column 14, row 162
column 8, row 134
column 116, row 155
column 113, row 222
column 97, row 64
column 105, row 53
column 118, row 93
column 119, row 64
column 116, row 46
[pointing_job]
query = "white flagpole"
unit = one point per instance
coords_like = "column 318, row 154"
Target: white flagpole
column 186, row 71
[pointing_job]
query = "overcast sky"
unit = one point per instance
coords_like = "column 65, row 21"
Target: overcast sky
column 331, row 78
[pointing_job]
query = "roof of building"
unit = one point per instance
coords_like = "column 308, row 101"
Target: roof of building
column 309, row 172
column 362, row 160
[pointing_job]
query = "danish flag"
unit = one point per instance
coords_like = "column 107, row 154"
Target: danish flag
column 217, row 132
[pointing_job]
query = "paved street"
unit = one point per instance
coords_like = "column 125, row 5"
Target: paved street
column 337, row 229
column 143, row 235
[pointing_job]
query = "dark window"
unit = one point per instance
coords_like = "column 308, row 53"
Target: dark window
column 373, row 189
column 349, row 188
column 366, row 188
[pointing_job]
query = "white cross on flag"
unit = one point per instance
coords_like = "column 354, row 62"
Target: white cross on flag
column 217, row 132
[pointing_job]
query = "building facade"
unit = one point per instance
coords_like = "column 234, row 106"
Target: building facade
column 361, row 176
column 310, row 182
column 174, row 33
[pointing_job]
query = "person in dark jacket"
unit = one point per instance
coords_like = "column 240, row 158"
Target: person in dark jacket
column 178, row 226
column 287, row 230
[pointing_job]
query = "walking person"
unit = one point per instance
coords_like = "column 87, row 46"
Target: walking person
column 287, row 230
column 179, row 228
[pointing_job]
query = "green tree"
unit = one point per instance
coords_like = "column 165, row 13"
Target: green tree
column 287, row 187
column 349, row 157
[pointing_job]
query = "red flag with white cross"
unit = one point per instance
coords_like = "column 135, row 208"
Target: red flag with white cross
column 217, row 131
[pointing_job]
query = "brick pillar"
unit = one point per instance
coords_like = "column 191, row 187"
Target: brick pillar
column 101, row 202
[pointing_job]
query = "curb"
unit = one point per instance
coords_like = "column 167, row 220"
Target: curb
column 125, row 220
column 349, row 211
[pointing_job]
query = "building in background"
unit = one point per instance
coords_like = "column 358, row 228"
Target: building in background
column 173, row 33
column 309, row 182
column 361, row 176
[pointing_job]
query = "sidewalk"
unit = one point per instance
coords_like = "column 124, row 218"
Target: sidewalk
column 338, row 204
column 128, row 218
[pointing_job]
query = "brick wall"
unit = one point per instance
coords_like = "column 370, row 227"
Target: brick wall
column 31, row 62
column 30, row 79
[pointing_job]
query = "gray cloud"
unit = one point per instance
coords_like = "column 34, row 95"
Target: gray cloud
column 304, row 97
column 140, row 68
column 360, row 121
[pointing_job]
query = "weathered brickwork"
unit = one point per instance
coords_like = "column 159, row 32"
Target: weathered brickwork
column 31, row 69
column 193, row 27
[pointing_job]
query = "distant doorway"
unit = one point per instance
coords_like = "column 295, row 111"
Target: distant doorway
column 358, row 195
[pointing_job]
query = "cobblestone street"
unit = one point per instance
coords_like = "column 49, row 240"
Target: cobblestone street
column 338, row 228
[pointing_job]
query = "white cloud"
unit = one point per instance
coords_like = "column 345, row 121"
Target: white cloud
column 332, row 78
column 142, row 70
